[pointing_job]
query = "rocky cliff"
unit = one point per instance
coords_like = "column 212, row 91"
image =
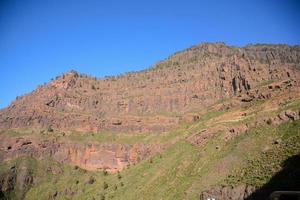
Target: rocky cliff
column 212, row 121
column 89, row 156
column 156, row 99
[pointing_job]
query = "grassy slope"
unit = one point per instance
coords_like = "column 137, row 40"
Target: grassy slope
column 182, row 171
column 259, row 170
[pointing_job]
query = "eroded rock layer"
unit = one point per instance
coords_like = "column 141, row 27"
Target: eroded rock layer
column 156, row 99
column 89, row 156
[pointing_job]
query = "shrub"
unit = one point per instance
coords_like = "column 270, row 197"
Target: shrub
column 102, row 197
column 105, row 172
column 119, row 175
column 50, row 129
column 105, row 185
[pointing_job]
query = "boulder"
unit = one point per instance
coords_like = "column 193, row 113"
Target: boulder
column 190, row 117
column 239, row 192
column 90, row 180
column 292, row 115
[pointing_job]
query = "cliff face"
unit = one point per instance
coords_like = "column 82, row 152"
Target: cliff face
column 89, row 156
column 156, row 99
column 255, row 96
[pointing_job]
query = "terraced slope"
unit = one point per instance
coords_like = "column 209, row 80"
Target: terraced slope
column 237, row 137
column 156, row 99
column 227, row 150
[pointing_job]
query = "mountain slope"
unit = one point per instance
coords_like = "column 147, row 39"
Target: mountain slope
column 152, row 100
column 211, row 121
column 181, row 171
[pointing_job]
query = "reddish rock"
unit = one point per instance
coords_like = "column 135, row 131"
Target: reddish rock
column 90, row 156
column 145, row 101
column 292, row 115
column 190, row 117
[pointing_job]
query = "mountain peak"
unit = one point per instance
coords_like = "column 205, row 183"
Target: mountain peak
column 66, row 80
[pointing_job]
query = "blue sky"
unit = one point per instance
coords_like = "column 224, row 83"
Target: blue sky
column 42, row 39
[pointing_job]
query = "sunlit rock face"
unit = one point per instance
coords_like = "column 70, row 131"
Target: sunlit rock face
column 89, row 156
column 153, row 100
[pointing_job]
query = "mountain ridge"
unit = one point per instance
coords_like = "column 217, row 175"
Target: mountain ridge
column 209, row 122
column 189, row 80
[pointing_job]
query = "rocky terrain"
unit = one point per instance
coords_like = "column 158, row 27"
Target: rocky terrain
column 153, row 100
column 89, row 156
column 191, row 126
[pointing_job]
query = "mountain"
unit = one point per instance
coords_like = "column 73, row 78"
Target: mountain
column 188, row 126
column 152, row 100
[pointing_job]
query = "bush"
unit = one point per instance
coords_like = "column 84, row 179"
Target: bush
column 102, row 197
column 50, row 129
column 105, row 185
column 119, row 175
column 105, row 172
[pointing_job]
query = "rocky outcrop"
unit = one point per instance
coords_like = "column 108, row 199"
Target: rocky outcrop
column 190, row 117
column 271, row 90
column 89, row 156
column 239, row 192
column 16, row 182
column 146, row 101
column 288, row 115
column 278, row 89
column 201, row 138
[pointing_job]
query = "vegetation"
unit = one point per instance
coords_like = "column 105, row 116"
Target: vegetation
column 259, row 170
column 181, row 171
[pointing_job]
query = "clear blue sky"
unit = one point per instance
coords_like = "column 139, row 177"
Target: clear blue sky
column 42, row 39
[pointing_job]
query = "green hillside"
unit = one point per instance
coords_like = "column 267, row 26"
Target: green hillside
column 181, row 171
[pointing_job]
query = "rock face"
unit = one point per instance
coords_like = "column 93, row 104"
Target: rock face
column 240, row 192
column 199, row 139
column 89, row 156
column 278, row 89
column 171, row 92
column 146, row 101
column 19, row 179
